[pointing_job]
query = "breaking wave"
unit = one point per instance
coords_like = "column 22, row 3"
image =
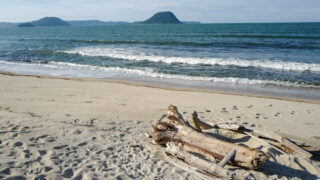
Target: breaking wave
column 120, row 53
column 89, row 71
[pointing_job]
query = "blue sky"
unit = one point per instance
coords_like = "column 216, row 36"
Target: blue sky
column 214, row 11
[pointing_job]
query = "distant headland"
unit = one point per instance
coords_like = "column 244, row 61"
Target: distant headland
column 165, row 17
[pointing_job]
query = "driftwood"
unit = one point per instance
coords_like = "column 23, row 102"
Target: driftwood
column 181, row 165
column 177, row 130
column 196, row 121
column 227, row 158
column 283, row 142
column 160, row 153
column 199, row 163
column 280, row 143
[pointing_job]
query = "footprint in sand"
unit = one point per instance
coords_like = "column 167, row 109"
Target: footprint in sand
column 77, row 131
column 36, row 139
column 257, row 115
column 17, row 144
column 67, row 115
column 27, row 153
column 15, row 128
column 250, row 106
column 224, row 110
column 60, row 147
column 92, row 121
column 83, row 144
column 235, row 108
column 24, row 129
column 208, row 110
column 292, row 112
column 42, row 152
column 278, row 114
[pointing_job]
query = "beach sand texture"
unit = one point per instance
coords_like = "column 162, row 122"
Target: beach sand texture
column 92, row 129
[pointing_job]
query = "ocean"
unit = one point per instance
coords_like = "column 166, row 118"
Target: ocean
column 273, row 59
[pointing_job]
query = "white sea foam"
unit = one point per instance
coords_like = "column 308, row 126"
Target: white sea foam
column 128, row 54
column 80, row 70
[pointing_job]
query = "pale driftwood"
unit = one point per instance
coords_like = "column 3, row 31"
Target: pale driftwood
column 227, row 158
column 187, row 138
column 284, row 141
column 266, row 143
column 196, row 121
column 286, row 145
column 159, row 152
column 199, row 163
column 181, row 165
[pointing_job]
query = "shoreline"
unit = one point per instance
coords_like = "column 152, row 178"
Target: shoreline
column 164, row 87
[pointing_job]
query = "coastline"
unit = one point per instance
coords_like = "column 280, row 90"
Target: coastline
column 56, row 127
column 164, row 87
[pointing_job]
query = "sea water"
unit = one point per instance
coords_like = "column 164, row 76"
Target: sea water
column 277, row 59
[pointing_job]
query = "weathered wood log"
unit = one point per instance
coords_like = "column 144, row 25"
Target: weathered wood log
column 181, row 165
column 199, row 163
column 159, row 152
column 284, row 141
column 282, row 144
column 227, row 158
column 266, row 143
column 196, row 121
column 189, row 139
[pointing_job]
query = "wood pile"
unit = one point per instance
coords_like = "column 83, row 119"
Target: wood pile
column 189, row 147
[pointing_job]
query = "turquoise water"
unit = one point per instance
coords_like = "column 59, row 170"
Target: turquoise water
column 279, row 58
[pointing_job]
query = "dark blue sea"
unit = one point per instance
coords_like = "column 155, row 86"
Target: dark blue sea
column 277, row 59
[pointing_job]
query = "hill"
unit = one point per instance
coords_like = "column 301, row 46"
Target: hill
column 166, row 17
column 50, row 21
column 26, row 25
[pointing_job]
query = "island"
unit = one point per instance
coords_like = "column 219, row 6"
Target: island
column 166, row 17
column 50, row 21
column 26, row 25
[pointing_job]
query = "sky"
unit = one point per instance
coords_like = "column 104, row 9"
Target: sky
column 206, row 11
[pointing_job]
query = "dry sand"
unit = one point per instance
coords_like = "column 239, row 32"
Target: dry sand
column 92, row 129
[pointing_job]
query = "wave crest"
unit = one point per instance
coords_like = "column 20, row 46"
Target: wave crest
column 89, row 71
column 118, row 53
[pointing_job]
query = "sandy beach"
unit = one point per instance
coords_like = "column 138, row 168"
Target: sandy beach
column 60, row 128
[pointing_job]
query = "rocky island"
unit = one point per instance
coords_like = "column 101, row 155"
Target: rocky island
column 45, row 22
column 166, row 17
